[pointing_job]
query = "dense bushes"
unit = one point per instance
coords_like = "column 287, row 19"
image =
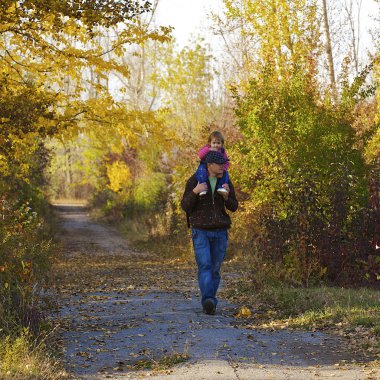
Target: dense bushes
column 307, row 183
column 25, row 251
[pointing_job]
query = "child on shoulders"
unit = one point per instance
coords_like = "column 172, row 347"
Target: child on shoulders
column 215, row 143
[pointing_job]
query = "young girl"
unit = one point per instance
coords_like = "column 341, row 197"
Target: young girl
column 216, row 143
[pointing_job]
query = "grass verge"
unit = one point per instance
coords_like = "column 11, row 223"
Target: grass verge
column 25, row 357
column 324, row 306
column 354, row 313
column 26, row 253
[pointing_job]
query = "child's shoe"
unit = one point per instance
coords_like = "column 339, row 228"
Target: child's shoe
column 222, row 190
column 203, row 193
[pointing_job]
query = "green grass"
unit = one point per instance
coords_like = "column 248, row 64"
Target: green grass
column 330, row 316
column 325, row 306
column 314, row 307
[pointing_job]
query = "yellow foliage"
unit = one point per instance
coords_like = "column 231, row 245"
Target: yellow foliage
column 119, row 176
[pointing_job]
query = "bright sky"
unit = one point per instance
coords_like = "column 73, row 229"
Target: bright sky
column 190, row 17
column 186, row 16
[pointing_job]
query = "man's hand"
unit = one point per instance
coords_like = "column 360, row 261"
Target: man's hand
column 200, row 187
column 225, row 195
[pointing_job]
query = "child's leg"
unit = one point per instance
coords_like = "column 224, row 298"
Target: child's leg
column 202, row 173
column 223, row 180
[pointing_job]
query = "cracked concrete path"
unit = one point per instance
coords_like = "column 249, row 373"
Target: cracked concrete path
column 123, row 312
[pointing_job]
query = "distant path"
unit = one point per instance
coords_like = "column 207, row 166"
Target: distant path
column 123, row 311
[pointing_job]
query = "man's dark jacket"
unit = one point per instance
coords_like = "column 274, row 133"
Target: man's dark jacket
column 208, row 211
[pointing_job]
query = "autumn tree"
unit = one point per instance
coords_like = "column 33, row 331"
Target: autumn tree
column 329, row 51
column 277, row 33
column 47, row 45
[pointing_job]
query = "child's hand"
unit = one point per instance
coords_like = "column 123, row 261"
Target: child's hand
column 225, row 195
column 200, row 187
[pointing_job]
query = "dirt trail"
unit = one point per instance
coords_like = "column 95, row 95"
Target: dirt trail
column 124, row 314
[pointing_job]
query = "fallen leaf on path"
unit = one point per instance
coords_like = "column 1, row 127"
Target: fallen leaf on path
column 244, row 312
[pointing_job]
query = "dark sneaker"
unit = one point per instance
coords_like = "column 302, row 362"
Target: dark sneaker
column 209, row 307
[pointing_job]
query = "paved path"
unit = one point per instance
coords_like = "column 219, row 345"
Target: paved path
column 123, row 312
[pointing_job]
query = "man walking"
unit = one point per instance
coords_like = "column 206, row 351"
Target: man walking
column 210, row 221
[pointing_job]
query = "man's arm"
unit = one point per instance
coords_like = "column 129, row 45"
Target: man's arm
column 231, row 203
column 189, row 198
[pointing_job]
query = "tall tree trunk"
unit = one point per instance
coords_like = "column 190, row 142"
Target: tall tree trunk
column 354, row 29
column 330, row 58
column 68, row 172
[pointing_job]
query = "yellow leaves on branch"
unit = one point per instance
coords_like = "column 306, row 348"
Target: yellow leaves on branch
column 119, row 176
column 57, row 60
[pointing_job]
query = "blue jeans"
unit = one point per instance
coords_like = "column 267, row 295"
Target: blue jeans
column 210, row 248
column 202, row 175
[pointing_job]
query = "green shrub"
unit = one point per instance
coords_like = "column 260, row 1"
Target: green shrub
column 150, row 191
